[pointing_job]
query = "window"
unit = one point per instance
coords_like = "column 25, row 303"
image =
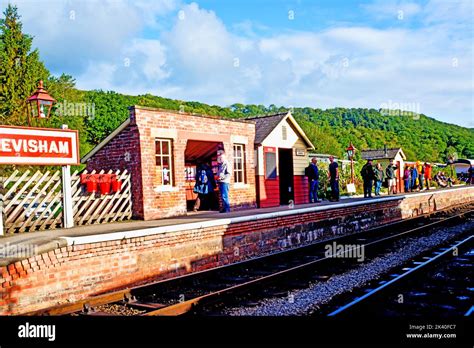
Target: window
column 283, row 133
column 190, row 173
column 270, row 163
column 239, row 163
column 164, row 167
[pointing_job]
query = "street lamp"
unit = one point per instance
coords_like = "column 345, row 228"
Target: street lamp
column 40, row 103
column 350, row 154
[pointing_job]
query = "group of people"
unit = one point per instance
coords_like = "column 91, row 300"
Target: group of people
column 206, row 183
column 443, row 180
column 414, row 176
column 312, row 172
column 375, row 175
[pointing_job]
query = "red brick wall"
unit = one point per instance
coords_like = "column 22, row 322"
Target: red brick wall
column 139, row 139
column 186, row 126
column 123, row 152
column 75, row 272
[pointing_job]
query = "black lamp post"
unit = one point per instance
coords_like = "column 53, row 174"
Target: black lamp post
column 350, row 154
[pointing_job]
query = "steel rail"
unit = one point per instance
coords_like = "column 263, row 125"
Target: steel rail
column 403, row 276
column 185, row 306
column 127, row 296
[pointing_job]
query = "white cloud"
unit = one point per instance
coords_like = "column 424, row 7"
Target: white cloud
column 199, row 58
column 73, row 34
column 393, row 9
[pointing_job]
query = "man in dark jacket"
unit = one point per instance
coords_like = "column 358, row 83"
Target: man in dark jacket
column 391, row 177
column 334, row 179
column 313, row 179
column 379, row 176
column 368, row 176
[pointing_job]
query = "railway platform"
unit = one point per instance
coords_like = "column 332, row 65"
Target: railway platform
column 43, row 269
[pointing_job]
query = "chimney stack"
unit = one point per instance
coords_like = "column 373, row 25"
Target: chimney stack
column 385, row 152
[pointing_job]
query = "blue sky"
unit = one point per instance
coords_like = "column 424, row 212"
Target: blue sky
column 317, row 53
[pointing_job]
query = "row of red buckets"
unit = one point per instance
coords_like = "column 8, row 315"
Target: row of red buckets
column 105, row 183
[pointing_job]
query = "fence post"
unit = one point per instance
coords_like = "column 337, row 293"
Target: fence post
column 68, row 217
column 2, row 231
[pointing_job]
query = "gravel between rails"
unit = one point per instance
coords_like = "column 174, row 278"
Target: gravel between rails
column 118, row 309
column 307, row 301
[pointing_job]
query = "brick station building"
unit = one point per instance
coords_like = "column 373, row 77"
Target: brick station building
column 160, row 148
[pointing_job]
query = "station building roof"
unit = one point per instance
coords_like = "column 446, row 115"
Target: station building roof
column 378, row 154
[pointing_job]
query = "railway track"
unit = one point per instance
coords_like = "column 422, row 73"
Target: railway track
column 440, row 277
column 187, row 293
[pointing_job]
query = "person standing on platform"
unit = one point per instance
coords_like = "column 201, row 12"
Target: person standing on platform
column 312, row 172
column 391, row 179
column 379, row 176
column 334, row 179
column 223, row 178
column 407, row 178
column 414, row 177
column 421, row 173
column 427, row 175
column 367, row 173
column 204, row 187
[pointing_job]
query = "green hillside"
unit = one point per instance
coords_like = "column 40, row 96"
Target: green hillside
column 330, row 130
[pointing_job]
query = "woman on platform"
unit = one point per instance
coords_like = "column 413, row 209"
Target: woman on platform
column 407, row 178
column 427, row 175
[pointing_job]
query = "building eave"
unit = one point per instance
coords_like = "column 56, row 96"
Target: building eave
column 104, row 142
column 308, row 142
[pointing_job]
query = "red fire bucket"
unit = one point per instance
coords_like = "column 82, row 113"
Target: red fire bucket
column 104, row 188
column 84, row 178
column 116, row 185
column 104, row 184
column 91, row 186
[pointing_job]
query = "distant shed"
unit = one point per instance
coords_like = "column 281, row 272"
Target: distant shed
column 385, row 156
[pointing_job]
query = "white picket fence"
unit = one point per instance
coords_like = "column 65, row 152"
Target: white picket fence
column 32, row 201
column 38, row 201
column 96, row 208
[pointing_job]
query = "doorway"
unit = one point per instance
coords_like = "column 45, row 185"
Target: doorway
column 198, row 153
column 285, row 172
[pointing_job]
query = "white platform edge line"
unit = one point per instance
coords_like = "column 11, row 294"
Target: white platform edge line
column 106, row 237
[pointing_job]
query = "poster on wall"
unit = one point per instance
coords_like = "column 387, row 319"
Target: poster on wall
column 38, row 146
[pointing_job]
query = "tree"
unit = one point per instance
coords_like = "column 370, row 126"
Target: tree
column 20, row 68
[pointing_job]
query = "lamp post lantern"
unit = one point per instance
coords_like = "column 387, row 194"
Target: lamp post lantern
column 40, row 103
column 350, row 154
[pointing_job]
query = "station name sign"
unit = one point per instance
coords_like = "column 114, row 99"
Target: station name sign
column 38, row 146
